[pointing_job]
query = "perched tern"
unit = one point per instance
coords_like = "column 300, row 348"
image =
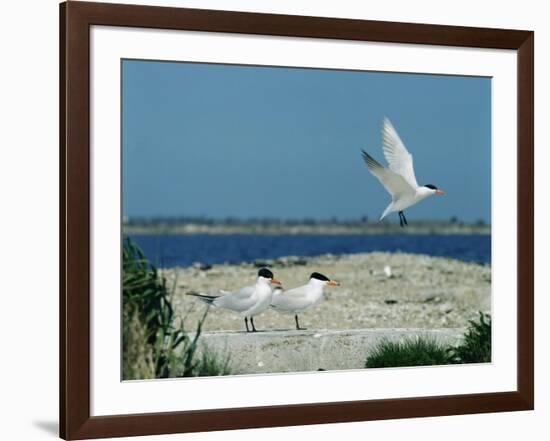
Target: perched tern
column 297, row 300
column 248, row 301
column 398, row 178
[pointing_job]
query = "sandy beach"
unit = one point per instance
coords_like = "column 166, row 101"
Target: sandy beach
column 422, row 292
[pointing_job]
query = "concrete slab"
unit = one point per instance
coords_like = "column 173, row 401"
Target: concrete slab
column 298, row 351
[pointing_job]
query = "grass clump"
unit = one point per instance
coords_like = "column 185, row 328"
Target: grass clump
column 475, row 348
column 153, row 345
column 211, row 364
column 410, row 352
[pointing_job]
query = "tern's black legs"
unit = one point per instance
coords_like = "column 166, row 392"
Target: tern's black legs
column 402, row 219
column 252, row 322
column 298, row 324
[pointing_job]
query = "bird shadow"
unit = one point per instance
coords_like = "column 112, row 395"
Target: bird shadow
column 51, row 427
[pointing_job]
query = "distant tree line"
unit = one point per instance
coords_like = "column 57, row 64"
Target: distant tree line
column 267, row 221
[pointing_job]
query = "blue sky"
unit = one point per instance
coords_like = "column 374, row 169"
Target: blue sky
column 246, row 141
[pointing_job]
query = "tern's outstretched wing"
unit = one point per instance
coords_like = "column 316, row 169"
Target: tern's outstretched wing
column 399, row 159
column 394, row 183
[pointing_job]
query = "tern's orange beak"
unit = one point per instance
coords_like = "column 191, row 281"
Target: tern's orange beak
column 439, row 192
column 275, row 282
column 333, row 283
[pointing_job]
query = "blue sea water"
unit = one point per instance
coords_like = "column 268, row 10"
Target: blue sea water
column 184, row 250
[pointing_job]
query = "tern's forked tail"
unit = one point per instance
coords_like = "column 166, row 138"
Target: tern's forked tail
column 208, row 299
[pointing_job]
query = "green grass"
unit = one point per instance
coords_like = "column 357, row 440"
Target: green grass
column 154, row 344
column 410, row 352
column 475, row 348
column 211, row 364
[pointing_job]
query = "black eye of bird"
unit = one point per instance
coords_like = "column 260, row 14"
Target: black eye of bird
column 433, row 187
column 319, row 276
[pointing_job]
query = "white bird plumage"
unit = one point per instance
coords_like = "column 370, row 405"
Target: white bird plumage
column 248, row 301
column 398, row 178
column 297, row 300
column 399, row 159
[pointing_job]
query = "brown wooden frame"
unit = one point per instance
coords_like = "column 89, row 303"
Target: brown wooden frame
column 75, row 21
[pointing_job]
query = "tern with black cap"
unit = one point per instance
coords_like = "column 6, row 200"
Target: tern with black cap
column 398, row 178
column 248, row 301
column 297, row 300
